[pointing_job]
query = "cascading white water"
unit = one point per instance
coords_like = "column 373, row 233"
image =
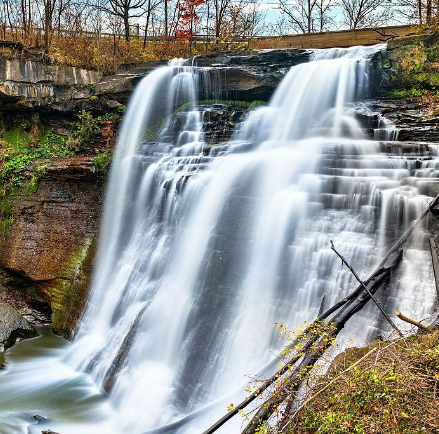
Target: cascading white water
column 201, row 252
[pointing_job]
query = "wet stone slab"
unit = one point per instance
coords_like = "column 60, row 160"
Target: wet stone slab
column 13, row 327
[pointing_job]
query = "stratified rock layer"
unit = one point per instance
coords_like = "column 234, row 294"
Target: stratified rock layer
column 47, row 254
column 31, row 83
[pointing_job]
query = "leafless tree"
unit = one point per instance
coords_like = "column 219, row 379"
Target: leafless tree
column 324, row 20
column 124, row 10
column 221, row 8
column 365, row 13
column 49, row 7
column 300, row 14
column 416, row 11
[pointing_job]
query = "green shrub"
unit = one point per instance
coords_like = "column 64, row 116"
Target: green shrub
column 26, row 153
column 85, row 129
column 102, row 161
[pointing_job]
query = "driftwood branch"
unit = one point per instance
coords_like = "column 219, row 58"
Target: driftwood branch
column 413, row 322
column 351, row 269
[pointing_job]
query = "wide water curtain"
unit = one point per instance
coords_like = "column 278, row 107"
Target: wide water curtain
column 203, row 248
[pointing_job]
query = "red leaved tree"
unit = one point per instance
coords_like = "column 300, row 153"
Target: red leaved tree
column 187, row 17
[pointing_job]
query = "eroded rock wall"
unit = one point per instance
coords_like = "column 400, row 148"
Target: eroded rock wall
column 46, row 255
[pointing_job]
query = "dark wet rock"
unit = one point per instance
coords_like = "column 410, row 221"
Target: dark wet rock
column 13, row 327
column 251, row 75
column 260, row 61
column 367, row 117
column 241, row 84
column 414, row 121
column 239, row 75
column 219, row 122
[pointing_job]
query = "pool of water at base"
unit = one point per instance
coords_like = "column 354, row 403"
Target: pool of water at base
column 37, row 388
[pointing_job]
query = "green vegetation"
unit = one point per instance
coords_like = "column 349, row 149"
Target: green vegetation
column 406, row 93
column 393, row 390
column 102, row 160
column 26, row 152
column 413, row 71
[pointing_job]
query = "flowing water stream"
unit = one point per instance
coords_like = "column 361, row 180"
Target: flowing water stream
column 203, row 248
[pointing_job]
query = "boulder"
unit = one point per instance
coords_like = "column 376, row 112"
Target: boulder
column 13, row 326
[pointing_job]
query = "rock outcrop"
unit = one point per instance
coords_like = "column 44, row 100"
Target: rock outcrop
column 26, row 83
column 414, row 121
column 32, row 83
column 239, row 75
column 13, row 327
column 46, row 256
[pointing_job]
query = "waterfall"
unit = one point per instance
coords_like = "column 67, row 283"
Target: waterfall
column 203, row 248
column 201, row 255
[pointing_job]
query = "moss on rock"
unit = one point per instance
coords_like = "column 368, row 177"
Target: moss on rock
column 68, row 294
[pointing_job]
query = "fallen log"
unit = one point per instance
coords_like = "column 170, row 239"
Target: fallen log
column 343, row 260
column 352, row 305
column 313, row 354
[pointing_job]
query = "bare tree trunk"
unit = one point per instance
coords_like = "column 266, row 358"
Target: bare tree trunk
column 148, row 15
column 309, row 16
column 126, row 24
column 166, row 18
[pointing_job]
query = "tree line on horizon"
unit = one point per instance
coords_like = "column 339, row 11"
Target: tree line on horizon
column 41, row 23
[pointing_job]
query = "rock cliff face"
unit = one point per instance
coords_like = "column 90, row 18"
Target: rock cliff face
column 47, row 254
column 29, row 83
